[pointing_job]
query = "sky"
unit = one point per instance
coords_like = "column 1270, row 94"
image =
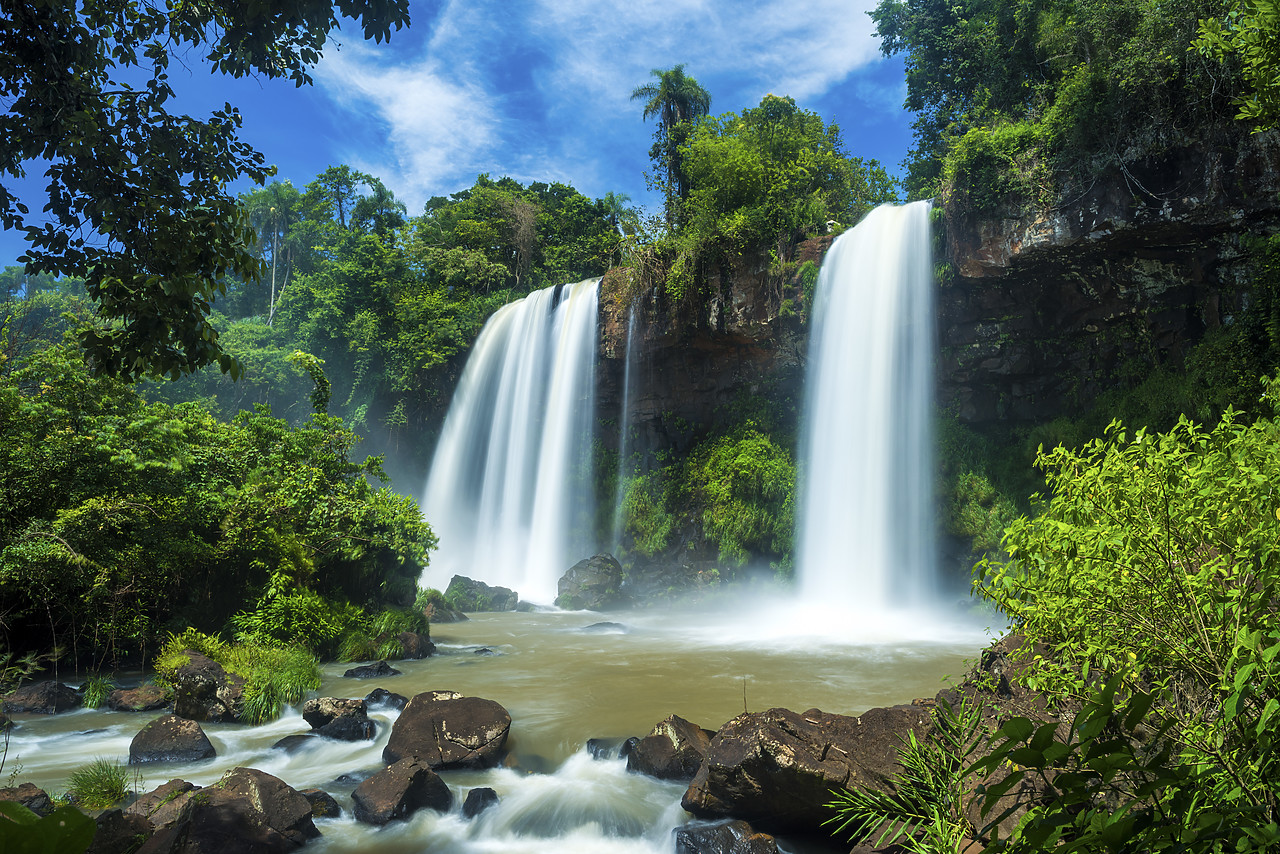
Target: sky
column 539, row 90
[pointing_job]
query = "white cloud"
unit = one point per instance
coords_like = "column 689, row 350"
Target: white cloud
column 450, row 111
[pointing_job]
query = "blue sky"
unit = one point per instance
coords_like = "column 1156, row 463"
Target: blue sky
column 539, row 90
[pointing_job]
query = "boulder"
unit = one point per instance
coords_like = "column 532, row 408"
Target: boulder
column 323, row 804
column 415, row 645
column 602, row 748
column 731, row 837
column 398, row 791
column 593, row 584
column 165, row 805
column 144, row 698
column 348, row 729
column 297, row 741
column 372, row 671
column 30, row 796
column 447, row 730
column 170, row 739
column 282, row 807
column 323, row 710
column 674, row 750
column 119, row 832
column 383, row 697
column 438, row 611
column 215, row 821
column 478, row 800
column 777, row 768
column 204, row 691
column 468, row 595
column 43, row 698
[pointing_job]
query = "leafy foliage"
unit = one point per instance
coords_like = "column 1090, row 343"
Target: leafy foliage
column 121, row 519
column 100, row 784
column 138, row 204
column 66, row 830
column 1249, row 33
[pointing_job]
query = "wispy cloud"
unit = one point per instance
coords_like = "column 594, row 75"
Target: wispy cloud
column 542, row 90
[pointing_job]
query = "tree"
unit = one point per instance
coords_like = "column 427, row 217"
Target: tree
column 677, row 101
column 272, row 211
column 138, row 201
column 1250, row 32
column 380, row 211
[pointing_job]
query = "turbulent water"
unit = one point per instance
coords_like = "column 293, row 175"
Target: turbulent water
column 509, row 490
column 865, row 538
column 564, row 680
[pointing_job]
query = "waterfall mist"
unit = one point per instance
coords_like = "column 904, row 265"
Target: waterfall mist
column 509, row 492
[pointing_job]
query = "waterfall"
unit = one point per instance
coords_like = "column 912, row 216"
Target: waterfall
column 509, row 493
column 625, row 469
column 865, row 538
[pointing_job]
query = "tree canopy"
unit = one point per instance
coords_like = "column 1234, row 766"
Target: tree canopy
column 678, row 102
column 138, row 204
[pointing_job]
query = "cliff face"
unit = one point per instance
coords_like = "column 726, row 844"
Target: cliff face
column 1043, row 312
column 686, row 369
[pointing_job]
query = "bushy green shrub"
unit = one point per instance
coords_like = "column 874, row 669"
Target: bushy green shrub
column 97, row 688
column 378, row 638
column 274, row 677
column 297, row 617
column 100, row 784
column 646, row 517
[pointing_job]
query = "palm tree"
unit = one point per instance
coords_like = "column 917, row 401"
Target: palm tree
column 678, row 101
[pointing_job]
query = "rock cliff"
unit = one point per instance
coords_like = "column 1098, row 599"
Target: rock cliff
column 1042, row 311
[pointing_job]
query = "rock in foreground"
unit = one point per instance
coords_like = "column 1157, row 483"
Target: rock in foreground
column 398, row 791
column 673, row 751
column 447, row 730
column 42, row 698
column 776, row 769
column 733, row 837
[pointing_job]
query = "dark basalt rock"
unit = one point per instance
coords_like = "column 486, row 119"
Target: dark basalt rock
column 439, row 612
column 348, row 729
column 383, row 697
column 415, row 646
column 674, row 750
column 297, row 741
column 144, row 698
column 247, row 811
column 602, row 748
column 119, row 832
column 594, row 584
column 282, row 807
column 170, row 739
column 30, row 796
column 732, row 837
column 469, row 595
column 484, row 650
column 628, row 747
column 43, row 698
column 605, row 629
column 204, row 691
column 447, row 730
column 398, row 791
column 478, row 800
column 323, row 804
column 164, row 805
column 376, row 670
column 777, row 768
column 322, row 710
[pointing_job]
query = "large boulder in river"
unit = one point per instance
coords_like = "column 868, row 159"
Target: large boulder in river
column 323, row 710
column 170, row 739
column 246, row 811
column 673, row 751
column 728, row 837
column 400, row 790
column 43, row 698
column 378, row 670
column 777, row 768
column 466, row 594
column 204, row 691
column 414, row 645
column 593, row 584
column 447, row 730
column 144, row 698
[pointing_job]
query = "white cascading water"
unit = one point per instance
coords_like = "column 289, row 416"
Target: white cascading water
column 509, row 488
column 865, row 537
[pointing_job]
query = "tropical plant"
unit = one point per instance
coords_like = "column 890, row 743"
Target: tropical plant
column 677, row 101
column 97, row 688
column 100, row 784
column 1249, row 33
column 922, row 808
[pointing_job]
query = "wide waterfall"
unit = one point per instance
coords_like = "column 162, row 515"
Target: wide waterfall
column 509, row 490
column 865, row 537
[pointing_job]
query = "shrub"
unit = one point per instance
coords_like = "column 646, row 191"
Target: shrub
column 100, row 784
column 96, row 689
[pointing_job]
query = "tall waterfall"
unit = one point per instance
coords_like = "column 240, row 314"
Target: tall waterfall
column 866, row 536
column 508, row 495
